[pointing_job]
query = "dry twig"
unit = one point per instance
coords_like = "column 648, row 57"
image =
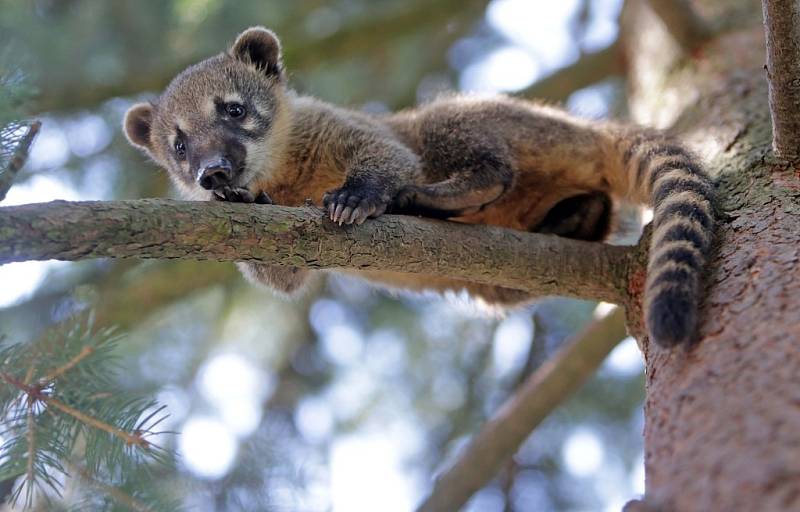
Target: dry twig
column 18, row 159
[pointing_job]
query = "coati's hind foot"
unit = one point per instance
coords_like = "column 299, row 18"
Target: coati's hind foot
column 582, row 217
column 445, row 199
column 355, row 203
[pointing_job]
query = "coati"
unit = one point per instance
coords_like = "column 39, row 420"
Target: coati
column 229, row 128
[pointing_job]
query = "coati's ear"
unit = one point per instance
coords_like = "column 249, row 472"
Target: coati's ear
column 260, row 47
column 138, row 121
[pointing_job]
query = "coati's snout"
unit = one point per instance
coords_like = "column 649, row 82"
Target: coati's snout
column 215, row 173
column 213, row 165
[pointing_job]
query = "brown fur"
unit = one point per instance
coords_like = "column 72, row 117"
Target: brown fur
column 499, row 161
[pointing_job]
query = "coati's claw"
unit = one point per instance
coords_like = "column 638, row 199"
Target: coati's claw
column 350, row 205
column 337, row 214
column 240, row 195
column 263, row 198
column 346, row 215
column 360, row 215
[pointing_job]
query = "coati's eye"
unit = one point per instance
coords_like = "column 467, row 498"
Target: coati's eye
column 180, row 149
column 235, row 110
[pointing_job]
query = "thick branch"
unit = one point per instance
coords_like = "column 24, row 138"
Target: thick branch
column 782, row 26
column 588, row 70
column 543, row 391
column 541, row 264
column 682, row 22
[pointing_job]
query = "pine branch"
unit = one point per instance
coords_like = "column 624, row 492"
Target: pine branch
column 117, row 494
column 782, row 26
column 45, row 414
column 682, row 22
column 131, row 439
column 36, row 394
column 30, row 475
column 18, row 158
column 543, row 391
column 540, row 264
column 61, row 370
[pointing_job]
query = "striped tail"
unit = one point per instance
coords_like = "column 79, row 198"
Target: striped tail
column 682, row 197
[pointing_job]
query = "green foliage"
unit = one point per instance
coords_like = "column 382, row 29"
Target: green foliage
column 14, row 90
column 14, row 95
column 64, row 413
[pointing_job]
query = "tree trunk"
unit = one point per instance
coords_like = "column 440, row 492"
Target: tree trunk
column 723, row 418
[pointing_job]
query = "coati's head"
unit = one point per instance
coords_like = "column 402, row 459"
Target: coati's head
column 221, row 122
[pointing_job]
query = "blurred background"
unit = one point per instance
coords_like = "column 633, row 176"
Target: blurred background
column 349, row 398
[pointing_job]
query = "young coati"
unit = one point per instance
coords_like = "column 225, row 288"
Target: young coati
column 229, row 128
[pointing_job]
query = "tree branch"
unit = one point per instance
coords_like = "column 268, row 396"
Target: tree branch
column 150, row 228
column 588, row 70
column 682, row 22
column 782, row 26
column 18, row 159
column 543, row 391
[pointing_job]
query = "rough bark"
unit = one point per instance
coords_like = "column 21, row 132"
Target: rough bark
column 540, row 264
column 723, row 419
column 782, row 26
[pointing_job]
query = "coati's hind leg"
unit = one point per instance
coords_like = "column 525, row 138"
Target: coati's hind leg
column 452, row 197
column 282, row 279
column 583, row 217
column 482, row 178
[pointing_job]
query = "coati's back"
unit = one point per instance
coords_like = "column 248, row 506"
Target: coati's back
column 551, row 154
column 229, row 128
column 556, row 155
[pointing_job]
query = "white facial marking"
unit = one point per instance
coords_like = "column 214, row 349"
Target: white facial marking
column 209, row 108
column 257, row 159
column 181, row 122
column 232, row 98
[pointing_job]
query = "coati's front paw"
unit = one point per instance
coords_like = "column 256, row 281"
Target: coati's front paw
column 241, row 195
column 351, row 204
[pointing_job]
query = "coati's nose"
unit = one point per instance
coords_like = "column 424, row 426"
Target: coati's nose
column 214, row 173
